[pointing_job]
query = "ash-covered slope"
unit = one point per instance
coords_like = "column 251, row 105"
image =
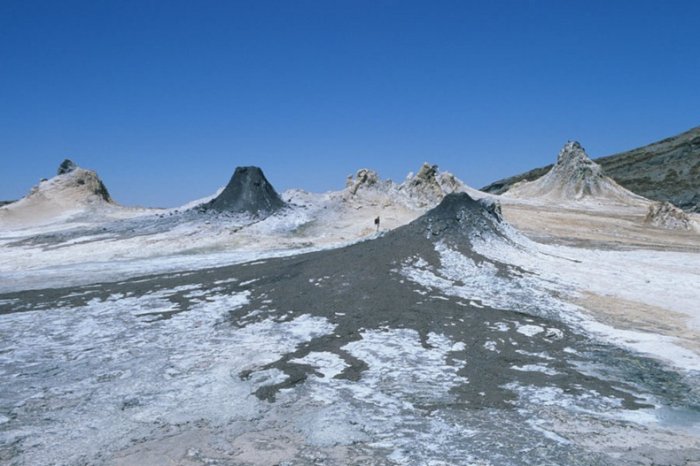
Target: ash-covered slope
column 247, row 192
column 411, row 348
column 668, row 170
column 574, row 177
column 72, row 190
column 379, row 285
column 458, row 219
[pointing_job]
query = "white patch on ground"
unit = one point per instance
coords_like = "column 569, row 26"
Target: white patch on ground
column 483, row 283
column 383, row 407
column 661, row 278
column 536, row 424
column 82, row 382
column 267, row 377
column 73, row 274
column 535, row 368
column 328, row 364
column 588, row 401
column 530, row 330
column 553, row 272
column 534, row 399
column 659, row 346
column 537, row 355
column 401, row 350
column 500, row 326
column 491, row 345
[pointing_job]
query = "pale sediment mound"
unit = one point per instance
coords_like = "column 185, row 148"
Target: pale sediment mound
column 73, row 190
column 421, row 191
column 575, row 177
column 666, row 215
column 248, row 192
column 75, row 183
column 430, row 185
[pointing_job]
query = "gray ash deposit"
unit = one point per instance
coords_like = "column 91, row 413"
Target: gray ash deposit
column 364, row 286
column 247, row 192
column 459, row 216
column 409, row 348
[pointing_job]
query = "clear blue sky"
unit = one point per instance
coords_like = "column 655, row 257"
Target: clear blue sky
column 164, row 99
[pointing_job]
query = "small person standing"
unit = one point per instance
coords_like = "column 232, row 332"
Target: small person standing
column 376, row 222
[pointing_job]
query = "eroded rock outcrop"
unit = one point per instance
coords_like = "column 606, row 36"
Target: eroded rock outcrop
column 666, row 215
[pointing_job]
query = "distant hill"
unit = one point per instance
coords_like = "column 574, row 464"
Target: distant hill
column 668, row 170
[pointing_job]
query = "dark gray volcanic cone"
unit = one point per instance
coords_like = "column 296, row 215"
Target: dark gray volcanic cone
column 457, row 218
column 247, row 192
